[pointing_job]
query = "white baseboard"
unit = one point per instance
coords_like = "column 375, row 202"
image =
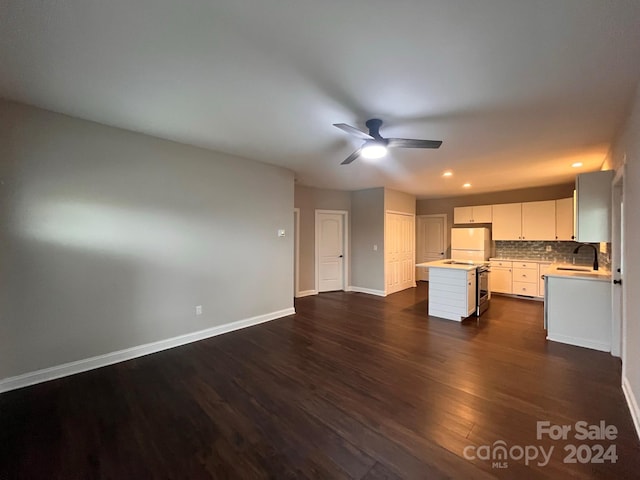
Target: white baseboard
column 632, row 402
column 379, row 293
column 71, row 368
column 580, row 342
column 306, row 293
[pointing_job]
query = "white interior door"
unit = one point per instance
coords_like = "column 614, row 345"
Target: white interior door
column 431, row 241
column 330, row 250
column 399, row 244
column 617, row 270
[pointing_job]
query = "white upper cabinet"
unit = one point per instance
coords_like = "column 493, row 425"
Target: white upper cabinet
column 475, row 214
column 482, row 214
column 564, row 219
column 507, row 221
column 538, row 220
column 593, row 206
column 463, row 215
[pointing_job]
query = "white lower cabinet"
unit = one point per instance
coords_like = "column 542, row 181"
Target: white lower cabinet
column 452, row 293
column 501, row 276
column 525, row 278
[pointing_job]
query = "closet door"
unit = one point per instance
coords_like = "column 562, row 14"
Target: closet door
column 399, row 245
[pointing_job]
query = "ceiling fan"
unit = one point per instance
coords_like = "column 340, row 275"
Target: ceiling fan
column 375, row 146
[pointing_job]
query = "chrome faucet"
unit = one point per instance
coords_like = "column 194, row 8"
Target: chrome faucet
column 595, row 253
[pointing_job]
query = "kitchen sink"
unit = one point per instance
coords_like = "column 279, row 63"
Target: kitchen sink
column 575, row 269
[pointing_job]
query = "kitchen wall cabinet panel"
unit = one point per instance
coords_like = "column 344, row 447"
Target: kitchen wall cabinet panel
column 538, row 220
column 507, row 221
column 474, row 214
column 593, row 206
column 565, row 219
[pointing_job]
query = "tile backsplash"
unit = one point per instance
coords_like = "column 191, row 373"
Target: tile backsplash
column 561, row 252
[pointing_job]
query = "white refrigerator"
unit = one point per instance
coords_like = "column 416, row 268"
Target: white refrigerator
column 470, row 244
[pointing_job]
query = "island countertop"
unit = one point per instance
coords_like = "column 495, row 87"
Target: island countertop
column 559, row 270
column 443, row 264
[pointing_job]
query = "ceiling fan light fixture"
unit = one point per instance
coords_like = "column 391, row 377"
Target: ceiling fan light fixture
column 372, row 150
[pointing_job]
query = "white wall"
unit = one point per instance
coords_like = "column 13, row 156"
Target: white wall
column 627, row 147
column 110, row 238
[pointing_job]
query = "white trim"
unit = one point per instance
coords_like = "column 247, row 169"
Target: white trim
column 296, row 253
column 71, row 368
column 306, row 293
column 632, row 403
column 370, row 291
column 345, row 247
column 398, row 212
column 580, row 342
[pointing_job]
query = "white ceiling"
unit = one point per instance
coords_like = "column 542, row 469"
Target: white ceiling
column 516, row 89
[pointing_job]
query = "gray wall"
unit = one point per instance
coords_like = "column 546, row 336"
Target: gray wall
column 399, row 201
column 367, row 229
column 110, row 238
column 628, row 145
column 308, row 200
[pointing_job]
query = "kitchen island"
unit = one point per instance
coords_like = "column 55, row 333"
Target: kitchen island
column 452, row 289
column 577, row 308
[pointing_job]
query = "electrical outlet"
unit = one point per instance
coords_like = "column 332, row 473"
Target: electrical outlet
column 281, row 232
column 375, row 248
column 198, row 309
column 548, row 249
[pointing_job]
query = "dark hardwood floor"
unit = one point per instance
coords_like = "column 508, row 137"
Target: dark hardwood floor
column 352, row 386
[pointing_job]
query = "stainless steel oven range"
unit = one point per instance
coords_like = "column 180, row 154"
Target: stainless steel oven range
column 483, row 293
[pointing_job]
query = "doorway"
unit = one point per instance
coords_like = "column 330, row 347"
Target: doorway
column 618, row 287
column 431, row 241
column 331, row 250
column 296, row 252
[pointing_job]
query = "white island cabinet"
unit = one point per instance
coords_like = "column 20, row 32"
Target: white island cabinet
column 578, row 308
column 452, row 291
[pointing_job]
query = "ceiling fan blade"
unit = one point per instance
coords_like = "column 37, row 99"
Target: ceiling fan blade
column 352, row 157
column 412, row 143
column 353, row 131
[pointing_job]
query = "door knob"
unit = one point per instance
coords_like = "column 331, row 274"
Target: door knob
column 618, row 282
column 339, row 256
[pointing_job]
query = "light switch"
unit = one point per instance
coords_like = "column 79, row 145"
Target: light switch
column 281, row 232
column 375, row 248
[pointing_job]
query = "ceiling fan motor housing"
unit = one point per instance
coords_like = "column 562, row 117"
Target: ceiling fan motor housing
column 374, row 125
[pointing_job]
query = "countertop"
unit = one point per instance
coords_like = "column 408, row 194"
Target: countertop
column 443, row 264
column 595, row 275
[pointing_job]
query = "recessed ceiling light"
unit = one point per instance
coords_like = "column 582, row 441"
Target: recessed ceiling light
column 466, row 185
column 448, row 173
column 576, row 165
